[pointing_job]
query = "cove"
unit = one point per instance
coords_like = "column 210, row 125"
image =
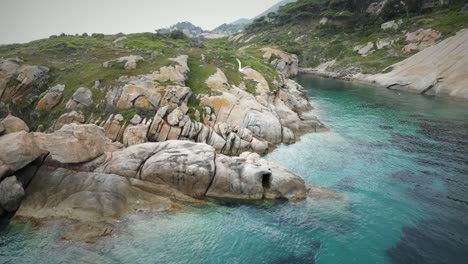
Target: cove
column 400, row 160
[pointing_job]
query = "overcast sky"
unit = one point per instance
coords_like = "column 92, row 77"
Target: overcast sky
column 26, row 20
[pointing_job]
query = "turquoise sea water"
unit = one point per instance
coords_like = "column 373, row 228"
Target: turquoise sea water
column 401, row 160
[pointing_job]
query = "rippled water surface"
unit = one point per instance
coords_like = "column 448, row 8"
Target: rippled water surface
column 401, row 160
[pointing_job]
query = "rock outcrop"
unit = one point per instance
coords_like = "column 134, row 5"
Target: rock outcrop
column 17, row 150
column 150, row 175
column 421, row 39
column 50, row 98
column 287, row 64
column 12, row 124
column 130, row 62
column 444, row 68
column 20, row 81
column 75, row 143
column 82, row 98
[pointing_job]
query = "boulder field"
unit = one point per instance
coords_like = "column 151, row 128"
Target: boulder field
column 78, row 173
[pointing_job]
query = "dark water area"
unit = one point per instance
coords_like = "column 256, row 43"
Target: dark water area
column 400, row 162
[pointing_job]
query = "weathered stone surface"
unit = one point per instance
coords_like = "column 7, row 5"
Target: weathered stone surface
column 11, row 194
column 287, row 64
column 75, row 143
column 50, row 98
column 135, row 135
column 365, row 50
column 82, row 97
column 136, row 119
column 390, row 25
column 85, row 196
column 383, row 43
column 376, row 7
column 12, row 124
column 189, row 167
column 68, row 118
column 175, row 74
column 444, row 67
column 26, row 78
column 421, row 39
column 253, row 178
column 186, row 166
column 139, row 94
column 131, row 61
column 17, row 150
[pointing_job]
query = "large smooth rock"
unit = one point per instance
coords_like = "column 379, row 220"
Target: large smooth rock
column 186, row 166
column 444, row 67
column 50, row 98
column 85, row 196
column 72, row 117
column 11, row 194
column 82, row 97
column 76, row 143
column 12, row 124
column 250, row 177
column 17, row 150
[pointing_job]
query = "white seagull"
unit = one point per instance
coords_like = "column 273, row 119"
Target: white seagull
column 240, row 66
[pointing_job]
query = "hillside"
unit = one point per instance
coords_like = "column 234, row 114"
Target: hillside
column 355, row 36
column 155, row 87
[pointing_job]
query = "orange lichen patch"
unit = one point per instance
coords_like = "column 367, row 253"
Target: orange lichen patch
column 134, row 89
column 142, row 102
column 219, row 103
column 42, row 104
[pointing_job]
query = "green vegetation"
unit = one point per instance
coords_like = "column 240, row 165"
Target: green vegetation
column 301, row 28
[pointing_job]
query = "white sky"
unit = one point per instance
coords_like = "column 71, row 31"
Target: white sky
column 26, row 20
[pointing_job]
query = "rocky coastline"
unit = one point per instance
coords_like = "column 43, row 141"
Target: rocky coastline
column 443, row 65
column 98, row 170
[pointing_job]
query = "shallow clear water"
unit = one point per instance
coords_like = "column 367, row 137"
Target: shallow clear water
column 401, row 160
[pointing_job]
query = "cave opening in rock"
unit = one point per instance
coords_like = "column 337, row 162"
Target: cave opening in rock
column 266, row 180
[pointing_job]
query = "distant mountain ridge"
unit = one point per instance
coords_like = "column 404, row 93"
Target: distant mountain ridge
column 274, row 8
column 191, row 30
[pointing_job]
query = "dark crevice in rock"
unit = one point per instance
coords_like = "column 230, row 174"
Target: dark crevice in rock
column 214, row 175
column 427, row 89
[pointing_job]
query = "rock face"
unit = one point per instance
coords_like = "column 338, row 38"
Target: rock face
column 85, row 196
column 11, row 194
column 186, row 166
column 152, row 175
column 130, row 62
column 421, row 39
column 50, row 98
column 391, row 25
column 250, row 177
column 83, row 97
column 287, row 64
column 72, row 117
column 18, row 80
column 365, row 50
column 75, row 143
column 12, row 124
column 17, row 150
column 444, row 67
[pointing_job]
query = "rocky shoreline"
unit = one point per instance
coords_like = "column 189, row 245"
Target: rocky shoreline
column 443, row 67
column 98, row 170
